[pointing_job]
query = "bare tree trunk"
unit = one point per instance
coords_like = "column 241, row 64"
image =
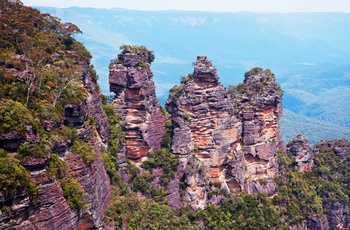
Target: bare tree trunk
column 59, row 92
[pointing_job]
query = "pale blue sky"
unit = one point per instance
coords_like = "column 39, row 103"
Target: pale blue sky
column 206, row 5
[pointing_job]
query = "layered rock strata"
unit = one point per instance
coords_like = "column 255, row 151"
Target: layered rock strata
column 302, row 152
column 259, row 107
column 135, row 101
column 232, row 137
column 49, row 209
column 204, row 128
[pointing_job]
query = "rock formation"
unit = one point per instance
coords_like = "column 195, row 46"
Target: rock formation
column 302, row 153
column 135, row 101
column 204, row 127
column 232, row 140
column 258, row 101
column 49, row 209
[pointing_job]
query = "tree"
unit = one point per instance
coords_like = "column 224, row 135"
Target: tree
column 65, row 77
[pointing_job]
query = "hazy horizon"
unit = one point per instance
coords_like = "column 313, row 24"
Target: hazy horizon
column 270, row 6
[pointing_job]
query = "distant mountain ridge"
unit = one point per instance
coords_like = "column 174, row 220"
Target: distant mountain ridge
column 308, row 52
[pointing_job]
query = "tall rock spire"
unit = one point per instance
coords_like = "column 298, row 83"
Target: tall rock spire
column 135, row 102
column 230, row 136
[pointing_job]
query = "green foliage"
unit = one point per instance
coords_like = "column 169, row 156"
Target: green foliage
column 84, row 150
column 39, row 57
column 142, row 180
column 242, row 212
column 46, row 112
column 93, row 73
column 14, row 116
column 134, row 213
column 116, row 136
column 144, row 65
column 13, row 176
column 176, row 92
column 136, row 49
column 187, row 117
column 28, row 149
column 32, row 191
column 73, row 193
column 185, row 79
column 300, row 197
column 57, row 167
column 166, row 141
column 164, row 159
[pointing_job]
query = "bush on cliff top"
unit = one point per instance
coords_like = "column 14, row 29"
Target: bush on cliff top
column 135, row 49
column 13, row 176
column 14, row 116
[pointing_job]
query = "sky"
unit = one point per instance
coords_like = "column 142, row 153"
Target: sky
column 206, row 5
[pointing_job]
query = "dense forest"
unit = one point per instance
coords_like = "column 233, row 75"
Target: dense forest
column 48, row 129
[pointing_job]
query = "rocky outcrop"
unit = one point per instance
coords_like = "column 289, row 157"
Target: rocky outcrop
column 205, row 130
column 13, row 139
column 49, row 209
column 135, row 101
column 231, row 136
column 302, row 153
column 341, row 147
column 258, row 101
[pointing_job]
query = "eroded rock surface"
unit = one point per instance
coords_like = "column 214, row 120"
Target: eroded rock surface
column 135, row 102
column 49, row 209
column 302, row 153
column 258, row 101
column 232, row 137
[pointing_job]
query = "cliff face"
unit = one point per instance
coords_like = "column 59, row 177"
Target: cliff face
column 135, row 102
column 206, row 133
column 232, row 140
column 258, row 101
column 49, row 209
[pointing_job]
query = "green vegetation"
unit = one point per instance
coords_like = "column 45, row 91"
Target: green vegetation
column 264, row 85
column 176, row 92
column 41, row 69
column 143, row 50
column 57, row 167
column 185, row 79
column 132, row 212
column 84, row 150
column 73, row 193
column 116, row 138
column 40, row 61
column 301, row 196
column 164, row 159
column 13, row 176
column 297, row 195
column 41, row 66
column 14, row 116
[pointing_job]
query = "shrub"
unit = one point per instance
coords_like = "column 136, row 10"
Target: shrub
column 14, row 116
column 73, row 193
column 162, row 158
column 57, row 167
column 13, row 176
column 84, row 150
